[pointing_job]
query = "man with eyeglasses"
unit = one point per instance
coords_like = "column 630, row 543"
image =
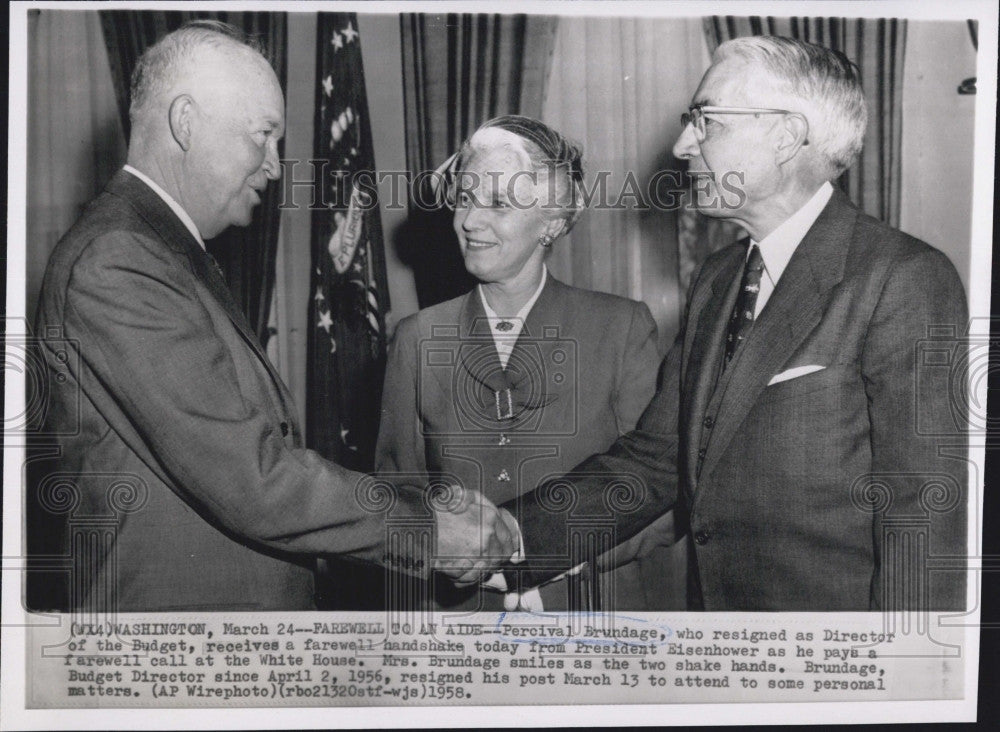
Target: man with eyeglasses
column 785, row 426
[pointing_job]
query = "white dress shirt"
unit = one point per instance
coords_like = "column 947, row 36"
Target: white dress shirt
column 168, row 199
column 505, row 340
column 777, row 248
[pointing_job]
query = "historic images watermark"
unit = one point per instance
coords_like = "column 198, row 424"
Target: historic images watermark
column 314, row 184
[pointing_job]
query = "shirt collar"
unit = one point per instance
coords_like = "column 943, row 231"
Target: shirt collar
column 777, row 248
column 525, row 309
column 168, row 199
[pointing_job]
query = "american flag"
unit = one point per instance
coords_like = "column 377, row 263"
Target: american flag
column 350, row 294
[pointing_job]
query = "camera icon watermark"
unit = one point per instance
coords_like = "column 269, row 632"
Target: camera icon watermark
column 922, row 570
column 591, row 532
column 541, row 376
column 74, row 521
column 958, row 364
column 49, row 364
column 411, row 555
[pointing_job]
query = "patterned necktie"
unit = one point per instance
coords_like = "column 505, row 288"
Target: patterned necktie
column 743, row 313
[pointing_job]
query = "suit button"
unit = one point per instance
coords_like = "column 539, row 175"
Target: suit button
column 284, row 429
column 709, row 421
column 701, row 537
column 701, row 453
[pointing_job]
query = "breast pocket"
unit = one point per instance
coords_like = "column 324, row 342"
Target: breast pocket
column 816, row 381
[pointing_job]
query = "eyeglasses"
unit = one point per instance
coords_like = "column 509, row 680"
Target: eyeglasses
column 695, row 116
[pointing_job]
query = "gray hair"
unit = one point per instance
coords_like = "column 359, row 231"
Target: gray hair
column 160, row 63
column 550, row 154
column 825, row 80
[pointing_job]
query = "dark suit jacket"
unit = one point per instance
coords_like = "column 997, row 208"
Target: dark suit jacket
column 584, row 367
column 179, row 481
column 823, row 492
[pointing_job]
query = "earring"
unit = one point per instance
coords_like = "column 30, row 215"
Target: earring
column 545, row 240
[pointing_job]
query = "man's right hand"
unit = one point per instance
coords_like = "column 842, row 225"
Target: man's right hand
column 474, row 538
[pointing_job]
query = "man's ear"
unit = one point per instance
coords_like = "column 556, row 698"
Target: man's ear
column 794, row 136
column 182, row 110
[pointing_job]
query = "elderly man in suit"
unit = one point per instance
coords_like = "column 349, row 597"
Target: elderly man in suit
column 785, row 423
column 172, row 422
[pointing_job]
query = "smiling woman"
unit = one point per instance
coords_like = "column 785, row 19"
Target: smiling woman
column 504, row 225
column 524, row 376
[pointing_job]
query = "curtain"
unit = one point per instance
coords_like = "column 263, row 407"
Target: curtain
column 458, row 72
column 608, row 91
column 75, row 137
column 246, row 255
column 874, row 182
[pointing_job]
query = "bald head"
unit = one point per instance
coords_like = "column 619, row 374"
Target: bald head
column 207, row 113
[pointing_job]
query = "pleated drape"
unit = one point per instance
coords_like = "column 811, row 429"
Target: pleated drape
column 461, row 70
column 75, row 137
column 618, row 86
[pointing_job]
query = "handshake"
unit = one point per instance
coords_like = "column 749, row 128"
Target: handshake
column 474, row 538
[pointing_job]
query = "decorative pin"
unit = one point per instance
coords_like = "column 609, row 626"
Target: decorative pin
column 505, row 325
column 504, row 440
column 509, row 414
column 504, row 476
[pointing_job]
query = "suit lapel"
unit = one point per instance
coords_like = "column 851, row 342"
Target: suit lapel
column 472, row 321
column 533, row 360
column 544, row 313
column 214, row 280
column 710, row 309
column 155, row 212
column 477, row 353
column 792, row 312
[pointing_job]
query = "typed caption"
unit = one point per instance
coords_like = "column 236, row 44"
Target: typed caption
column 354, row 659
